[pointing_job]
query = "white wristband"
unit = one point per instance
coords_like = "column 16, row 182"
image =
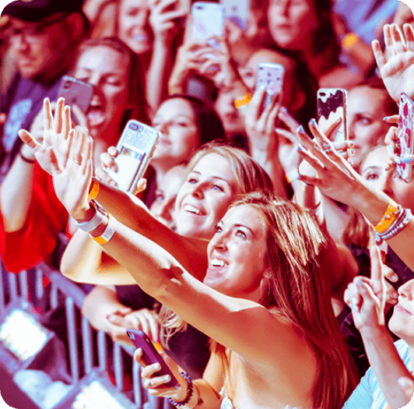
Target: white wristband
column 98, row 218
column 109, row 231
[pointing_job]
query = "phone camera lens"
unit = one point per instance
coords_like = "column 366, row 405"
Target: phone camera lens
column 133, row 126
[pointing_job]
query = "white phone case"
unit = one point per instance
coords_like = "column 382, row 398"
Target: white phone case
column 208, row 21
column 136, row 147
column 270, row 76
column 332, row 104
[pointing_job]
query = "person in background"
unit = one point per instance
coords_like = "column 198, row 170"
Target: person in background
column 107, row 64
column 306, row 27
column 43, row 37
column 151, row 29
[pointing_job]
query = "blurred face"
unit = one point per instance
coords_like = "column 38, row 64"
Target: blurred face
column 176, row 122
column 291, row 23
column 373, row 170
column 230, row 117
column 365, row 116
column 208, row 191
column 166, row 194
column 248, row 74
column 37, row 48
column 107, row 70
column 402, row 320
column 236, row 253
column 134, row 28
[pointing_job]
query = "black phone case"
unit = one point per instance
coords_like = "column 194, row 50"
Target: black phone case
column 151, row 356
column 76, row 92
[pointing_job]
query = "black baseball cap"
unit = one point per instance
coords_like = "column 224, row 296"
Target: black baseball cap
column 35, row 10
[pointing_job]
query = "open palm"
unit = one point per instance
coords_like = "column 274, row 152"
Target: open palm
column 55, row 143
column 396, row 64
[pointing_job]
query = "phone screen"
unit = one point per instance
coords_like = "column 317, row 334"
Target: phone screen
column 331, row 106
column 405, row 137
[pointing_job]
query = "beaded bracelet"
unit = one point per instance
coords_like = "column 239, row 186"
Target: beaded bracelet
column 189, row 393
column 396, row 228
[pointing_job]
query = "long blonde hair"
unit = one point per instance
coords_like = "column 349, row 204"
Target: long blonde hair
column 250, row 176
column 295, row 245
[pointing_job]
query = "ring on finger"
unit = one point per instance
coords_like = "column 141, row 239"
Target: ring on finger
column 148, row 382
column 326, row 146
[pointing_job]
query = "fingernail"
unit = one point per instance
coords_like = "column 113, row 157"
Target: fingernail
column 108, row 316
column 300, row 129
column 351, row 144
column 351, row 152
column 298, row 177
column 300, row 148
column 397, row 160
column 139, row 351
column 395, row 278
column 157, row 366
column 407, row 160
column 385, row 118
column 148, row 382
column 167, row 378
column 390, row 148
column 313, row 122
column 284, row 110
column 358, row 282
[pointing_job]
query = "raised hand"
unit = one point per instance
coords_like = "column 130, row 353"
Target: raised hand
column 144, row 320
column 396, row 65
column 72, row 176
column 163, row 20
column 154, row 381
column 366, row 297
column 55, row 143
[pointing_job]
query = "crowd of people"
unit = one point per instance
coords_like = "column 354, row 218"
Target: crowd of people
column 272, row 262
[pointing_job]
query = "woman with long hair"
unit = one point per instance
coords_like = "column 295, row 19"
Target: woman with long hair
column 263, row 275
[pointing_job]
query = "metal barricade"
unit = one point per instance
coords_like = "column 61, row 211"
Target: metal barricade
column 85, row 344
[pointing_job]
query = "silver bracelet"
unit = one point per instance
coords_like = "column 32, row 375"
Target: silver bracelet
column 396, row 227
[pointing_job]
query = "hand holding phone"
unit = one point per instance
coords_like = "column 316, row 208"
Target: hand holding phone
column 151, row 356
column 332, row 105
column 135, row 149
column 270, row 76
column 405, row 137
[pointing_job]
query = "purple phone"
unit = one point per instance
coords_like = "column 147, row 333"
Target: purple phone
column 151, row 355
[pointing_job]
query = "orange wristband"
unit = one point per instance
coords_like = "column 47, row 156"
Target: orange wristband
column 94, row 190
column 387, row 220
column 241, row 102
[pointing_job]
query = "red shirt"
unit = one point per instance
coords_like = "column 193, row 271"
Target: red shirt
column 36, row 241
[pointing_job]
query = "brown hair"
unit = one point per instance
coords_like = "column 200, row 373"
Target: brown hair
column 294, row 247
column 138, row 105
column 250, row 177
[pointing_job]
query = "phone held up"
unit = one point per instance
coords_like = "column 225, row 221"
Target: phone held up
column 208, row 22
column 332, row 104
column 151, row 355
column 405, row 136
column 76, row 92
column 270, row 76
column 135, row 149
column 237, row 11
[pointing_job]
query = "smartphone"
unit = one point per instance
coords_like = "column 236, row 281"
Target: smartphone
column 332, row 104
column 208, row 21
column 237, row 11
column 270, row 75
column 405, row 136
column 76, row 92
column 151, row 355
column 136, row 147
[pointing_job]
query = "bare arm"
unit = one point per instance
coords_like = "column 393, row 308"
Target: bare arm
column 16, row 193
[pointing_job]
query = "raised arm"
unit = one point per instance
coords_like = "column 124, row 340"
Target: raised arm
column 366, row 298
column 335, row 178
column 273, row 345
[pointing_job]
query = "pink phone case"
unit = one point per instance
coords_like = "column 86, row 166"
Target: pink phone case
column 405, row 136
column 151, row 356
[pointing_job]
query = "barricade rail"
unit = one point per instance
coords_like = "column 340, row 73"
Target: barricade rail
column 88, row 349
